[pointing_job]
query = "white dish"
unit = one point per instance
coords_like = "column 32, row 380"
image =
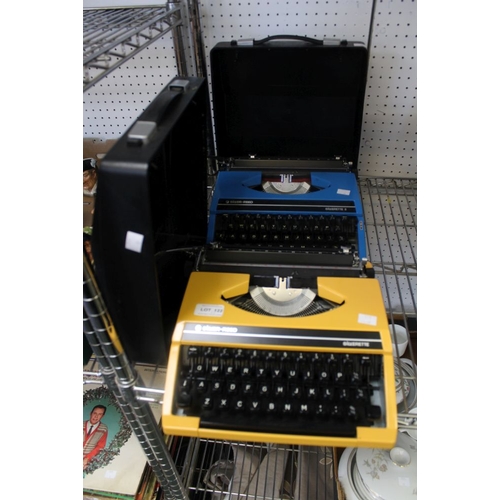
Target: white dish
column 345, row 477
column 411, row 365
column 389, row 474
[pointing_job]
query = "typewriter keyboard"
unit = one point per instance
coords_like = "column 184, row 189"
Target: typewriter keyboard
column 288, row 392
column 294, row 232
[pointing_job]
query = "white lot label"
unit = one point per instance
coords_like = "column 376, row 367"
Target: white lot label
column 346, row 192
column 367, row 319
column 208, row 310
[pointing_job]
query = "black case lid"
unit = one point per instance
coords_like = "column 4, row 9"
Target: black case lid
column 299, row 99
column 152, row 187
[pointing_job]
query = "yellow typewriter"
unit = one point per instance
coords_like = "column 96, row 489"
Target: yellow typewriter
column 283, row 365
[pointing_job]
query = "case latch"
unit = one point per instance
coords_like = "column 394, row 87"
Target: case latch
column 243, row 41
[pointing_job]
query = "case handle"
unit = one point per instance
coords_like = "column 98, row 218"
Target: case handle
column 146, row 124
column 163, row 102
column 288, row 37
column 314, row 41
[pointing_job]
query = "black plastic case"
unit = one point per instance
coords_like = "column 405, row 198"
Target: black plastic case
column 151, row 200
column 288, row 99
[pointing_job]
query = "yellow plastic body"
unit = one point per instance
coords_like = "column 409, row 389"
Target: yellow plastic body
column 362, row 309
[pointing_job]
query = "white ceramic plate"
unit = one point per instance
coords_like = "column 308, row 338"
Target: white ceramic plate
column 390, row 474
column 345, row 478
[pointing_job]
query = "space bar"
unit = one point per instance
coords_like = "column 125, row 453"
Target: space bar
column 283, row 258
column 280, row 426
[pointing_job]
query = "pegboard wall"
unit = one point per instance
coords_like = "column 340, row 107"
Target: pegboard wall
column 388, row 28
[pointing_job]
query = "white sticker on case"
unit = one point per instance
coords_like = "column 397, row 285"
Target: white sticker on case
column 208, row 310
column 133, row 241
column 346, row 192
column 367, row 319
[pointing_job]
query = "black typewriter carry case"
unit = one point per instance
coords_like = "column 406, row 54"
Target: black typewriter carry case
column 287, row 100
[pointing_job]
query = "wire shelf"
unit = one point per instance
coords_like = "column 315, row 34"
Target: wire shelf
column 390, row 210
column 113, row 36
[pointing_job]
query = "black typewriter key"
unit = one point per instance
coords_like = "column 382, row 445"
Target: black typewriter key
column 360, row 394
column 288, row 408
column 209, row 352
column 239, row 221
column 355, row 378
column 215, row 386
column 311, row 392
column 337, row 412
column 298, row 357
column 320, row 410
column 264, row 389
column 331, row 359
column 276, row 373
column 223, row 404
column 304, row 408
column 246, row 372
column 279, row 390
column 296, row 391
column 347, row 364
column 214, row 371
column 292, row 374
column 226, row 353
column 352, row 413
column 255, row 355
column 239, row 405
column 193, row 351
column 284, row 356
column 229, row 371
column 184, row 399
column 248, row 387
column 198, row 369
column 255, row 405
column 232, row 387
column 208, row 403
column 343, row 394
column 271, row 407
column 240, row 354
column 327, row 393
column 185, row 385
column 374, row 412
column 316, row 358
column 270, row 356
column 201, row 386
